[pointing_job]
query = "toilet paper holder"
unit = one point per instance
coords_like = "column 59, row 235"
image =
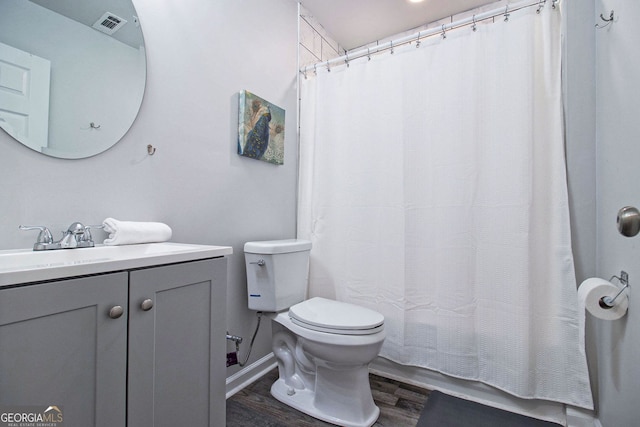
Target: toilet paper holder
column 608, row 302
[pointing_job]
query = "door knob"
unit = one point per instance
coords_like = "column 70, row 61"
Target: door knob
column 116, row 311
column 146, row 305
column 628, row 221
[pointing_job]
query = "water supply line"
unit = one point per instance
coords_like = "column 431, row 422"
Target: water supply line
column 238, row 340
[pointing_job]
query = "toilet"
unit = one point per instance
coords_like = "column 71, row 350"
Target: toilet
column 322, row 347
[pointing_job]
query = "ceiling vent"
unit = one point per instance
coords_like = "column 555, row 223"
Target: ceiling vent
column 109, row 23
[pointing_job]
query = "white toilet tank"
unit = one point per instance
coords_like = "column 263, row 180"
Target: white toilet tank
column 277, row 273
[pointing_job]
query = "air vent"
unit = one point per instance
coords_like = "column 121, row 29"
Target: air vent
column 109, row 23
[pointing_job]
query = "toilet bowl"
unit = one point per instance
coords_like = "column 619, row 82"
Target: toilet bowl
column 325, row 374
column 322, row 347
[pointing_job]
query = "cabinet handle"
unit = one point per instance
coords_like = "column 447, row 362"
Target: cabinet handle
column 116, row 311
column 146, row 305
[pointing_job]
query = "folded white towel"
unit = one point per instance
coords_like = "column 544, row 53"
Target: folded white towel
column 131, row 232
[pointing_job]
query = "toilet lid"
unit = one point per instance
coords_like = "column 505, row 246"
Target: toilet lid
column 336, row 317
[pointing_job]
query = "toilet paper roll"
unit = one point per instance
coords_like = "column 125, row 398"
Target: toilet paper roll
column 592, row 290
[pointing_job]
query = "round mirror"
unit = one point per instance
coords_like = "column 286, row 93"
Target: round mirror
column 72, row 74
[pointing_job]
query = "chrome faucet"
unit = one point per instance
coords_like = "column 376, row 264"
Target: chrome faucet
column 76, row 236
column 72, row 238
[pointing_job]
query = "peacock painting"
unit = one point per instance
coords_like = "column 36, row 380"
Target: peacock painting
column 261, row 129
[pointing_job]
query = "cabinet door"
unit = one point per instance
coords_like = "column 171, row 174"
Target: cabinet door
column 59, row 346
column 177, row 346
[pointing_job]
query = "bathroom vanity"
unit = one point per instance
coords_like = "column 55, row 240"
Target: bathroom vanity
column 116, row 336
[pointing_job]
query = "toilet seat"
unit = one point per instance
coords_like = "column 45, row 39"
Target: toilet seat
column 335, row 317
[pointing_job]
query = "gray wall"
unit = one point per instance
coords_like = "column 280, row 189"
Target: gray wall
column 618, row 177
column 601, row 108
column 200, row 54
column 579, row 79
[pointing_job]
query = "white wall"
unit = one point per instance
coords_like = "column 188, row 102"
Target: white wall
column 618, row 151
column 200, row 54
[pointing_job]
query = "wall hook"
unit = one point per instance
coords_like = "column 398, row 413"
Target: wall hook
column 151, row 150
column 607, row 20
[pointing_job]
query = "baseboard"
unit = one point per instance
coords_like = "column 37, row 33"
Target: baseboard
column 250, row 374
column 577, row 417
column 482, row 393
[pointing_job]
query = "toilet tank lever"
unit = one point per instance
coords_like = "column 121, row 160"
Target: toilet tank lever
column 260, row 262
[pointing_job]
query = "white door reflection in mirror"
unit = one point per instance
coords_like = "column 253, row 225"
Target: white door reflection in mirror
column 24, row 96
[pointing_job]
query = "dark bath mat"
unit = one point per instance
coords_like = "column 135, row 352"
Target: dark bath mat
column 442, row 410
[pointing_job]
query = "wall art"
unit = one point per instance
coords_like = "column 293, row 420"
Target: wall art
column 261, row 129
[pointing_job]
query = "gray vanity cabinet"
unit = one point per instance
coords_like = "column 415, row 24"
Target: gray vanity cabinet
column 58, row 346
column 160, row 363
column 177, row 347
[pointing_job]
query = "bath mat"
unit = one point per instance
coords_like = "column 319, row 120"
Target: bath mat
column 442, row 410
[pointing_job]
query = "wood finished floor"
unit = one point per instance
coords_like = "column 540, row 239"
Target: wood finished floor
column 400, row 405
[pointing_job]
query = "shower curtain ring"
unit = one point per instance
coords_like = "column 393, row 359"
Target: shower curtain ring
column 418, row 41
column 346, row 61
column 444, row 32
column 506, row 14
column 368, row 55
column 315, row 70
column 540, row 6
column 328, row 67
column 474, row 27
column 391, row 47
column 553, row 4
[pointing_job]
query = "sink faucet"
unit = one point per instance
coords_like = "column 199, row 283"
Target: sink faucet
column 76, row 236
column 72, row 237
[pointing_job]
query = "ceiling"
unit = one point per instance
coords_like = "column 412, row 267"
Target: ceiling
column 355, row 23
column 88, row 11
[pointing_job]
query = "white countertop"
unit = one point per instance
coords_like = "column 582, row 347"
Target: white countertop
column 25, row 265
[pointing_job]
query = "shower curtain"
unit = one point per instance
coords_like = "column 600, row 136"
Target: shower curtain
column 433, row 188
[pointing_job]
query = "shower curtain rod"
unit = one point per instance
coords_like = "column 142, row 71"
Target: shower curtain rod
column 473, row 20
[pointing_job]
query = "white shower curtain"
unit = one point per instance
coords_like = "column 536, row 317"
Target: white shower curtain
column 433, row 187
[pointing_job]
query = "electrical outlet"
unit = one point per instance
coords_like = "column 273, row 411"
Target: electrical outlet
column 232, row 359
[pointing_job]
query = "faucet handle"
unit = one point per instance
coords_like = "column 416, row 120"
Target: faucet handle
column 87, row 232
column 44, row 236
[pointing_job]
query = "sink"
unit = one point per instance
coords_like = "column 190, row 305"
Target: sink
column 24, row 265
column 27, row 260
